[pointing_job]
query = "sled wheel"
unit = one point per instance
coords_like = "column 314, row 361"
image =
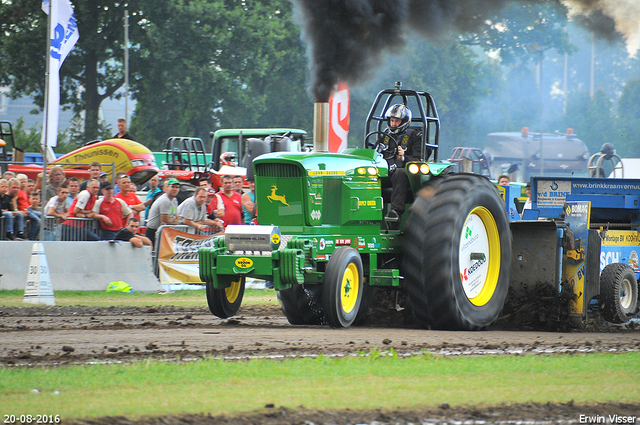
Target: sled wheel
column 342, row 288
column 226, row 302
column 618, row 293
column 301, row 305
column 458, row 260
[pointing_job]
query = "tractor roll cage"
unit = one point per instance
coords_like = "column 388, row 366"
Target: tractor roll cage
column 185, row 153
column 426, row 116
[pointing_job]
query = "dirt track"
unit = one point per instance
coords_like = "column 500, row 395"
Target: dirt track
column 72, row 335
column 63, row 335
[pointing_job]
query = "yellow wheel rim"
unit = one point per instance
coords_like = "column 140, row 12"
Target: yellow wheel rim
column 479, row 256
column 233, row 291
column 349, row 288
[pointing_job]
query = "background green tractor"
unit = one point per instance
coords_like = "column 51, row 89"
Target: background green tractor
column 324, row 242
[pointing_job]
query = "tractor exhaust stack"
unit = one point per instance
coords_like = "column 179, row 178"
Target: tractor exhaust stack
column 321, row 126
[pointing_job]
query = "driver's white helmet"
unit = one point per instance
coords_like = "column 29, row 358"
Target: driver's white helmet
column 401, row 112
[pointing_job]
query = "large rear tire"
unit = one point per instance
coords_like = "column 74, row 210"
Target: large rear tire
column 342, row 287
column 457, row 259
column 226, row 302
column 618, row 293
column 302, row 305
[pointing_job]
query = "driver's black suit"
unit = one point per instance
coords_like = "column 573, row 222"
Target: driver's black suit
column 410, row 140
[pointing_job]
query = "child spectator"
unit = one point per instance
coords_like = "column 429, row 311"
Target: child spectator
column 9, row 191
column 57, row 206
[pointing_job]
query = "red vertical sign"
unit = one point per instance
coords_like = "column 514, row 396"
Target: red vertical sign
column 339, row 118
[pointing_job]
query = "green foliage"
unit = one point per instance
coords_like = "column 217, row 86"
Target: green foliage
column 593, row 117
column 211, row 64
column 448, row 70
column 92, row 72
column 521, row 31
column 629, row 120
column 29, row 140
column 77, row 136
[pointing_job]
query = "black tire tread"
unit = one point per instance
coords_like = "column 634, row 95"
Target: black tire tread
column 430, row 254
column 302, row 306
column 218, row 303
column 610, row 279
column 340, row 258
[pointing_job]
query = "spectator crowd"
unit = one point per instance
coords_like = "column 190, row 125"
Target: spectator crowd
column 98, row 209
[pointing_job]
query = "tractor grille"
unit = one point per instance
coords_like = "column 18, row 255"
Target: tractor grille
column 278, row 170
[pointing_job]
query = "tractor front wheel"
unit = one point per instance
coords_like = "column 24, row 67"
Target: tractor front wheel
column 618, row 293
column 301, row 305
column 342, row 287
column 457, row 260
column 226, row 302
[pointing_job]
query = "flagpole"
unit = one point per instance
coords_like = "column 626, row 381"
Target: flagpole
column 45, row 129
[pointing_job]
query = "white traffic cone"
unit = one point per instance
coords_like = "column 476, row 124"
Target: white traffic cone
column 39, row 289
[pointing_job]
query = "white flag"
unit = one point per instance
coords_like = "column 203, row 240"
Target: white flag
column 64, row 35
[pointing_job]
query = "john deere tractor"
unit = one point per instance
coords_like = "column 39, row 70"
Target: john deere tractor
column 324, row 242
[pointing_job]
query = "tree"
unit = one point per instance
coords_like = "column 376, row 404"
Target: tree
column 629, row 120
column 451, row 72
column 92, row 72
column 522, row 31
column 208, row 64
column 29, row 140
column 591, row 118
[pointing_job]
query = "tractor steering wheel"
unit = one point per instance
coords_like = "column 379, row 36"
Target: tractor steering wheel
column 387, row 152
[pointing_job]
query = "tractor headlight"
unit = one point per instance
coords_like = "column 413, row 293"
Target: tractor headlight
column 424, row 169
column 361, row 171
column 372, row 171
column 414, row 168
column 138, row 163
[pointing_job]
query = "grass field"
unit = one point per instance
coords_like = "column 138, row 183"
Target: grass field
column 368, row 381
column 196, row 298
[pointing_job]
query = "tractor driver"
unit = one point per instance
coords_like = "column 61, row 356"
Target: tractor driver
column 408, row 149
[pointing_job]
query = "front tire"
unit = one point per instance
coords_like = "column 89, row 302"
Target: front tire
column 458, row 258
column 226, row 302
column 342, row 288
column 301, row 305
column 618, row 293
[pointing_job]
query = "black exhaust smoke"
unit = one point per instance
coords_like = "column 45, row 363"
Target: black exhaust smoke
column 346, row 38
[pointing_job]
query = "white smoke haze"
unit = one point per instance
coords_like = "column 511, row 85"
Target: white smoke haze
column 625, row 14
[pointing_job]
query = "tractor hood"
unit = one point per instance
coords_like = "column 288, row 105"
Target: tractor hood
column 300, row 192
column 324, row 163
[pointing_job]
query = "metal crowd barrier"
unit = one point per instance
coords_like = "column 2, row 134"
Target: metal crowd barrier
column 75, row 229
column 3, row 228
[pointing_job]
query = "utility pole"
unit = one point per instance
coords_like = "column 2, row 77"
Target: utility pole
column 592, row 82
column 126, row 65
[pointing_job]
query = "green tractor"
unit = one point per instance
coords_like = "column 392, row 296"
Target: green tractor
column 324, row 242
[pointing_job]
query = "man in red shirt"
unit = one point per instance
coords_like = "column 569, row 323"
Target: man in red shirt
column 82, row 207
column 129, row 196
column 232, row 202
column 112, row 212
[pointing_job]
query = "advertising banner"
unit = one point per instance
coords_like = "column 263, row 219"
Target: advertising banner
column 339, row 118
column 64, row 35
column 178, row 256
